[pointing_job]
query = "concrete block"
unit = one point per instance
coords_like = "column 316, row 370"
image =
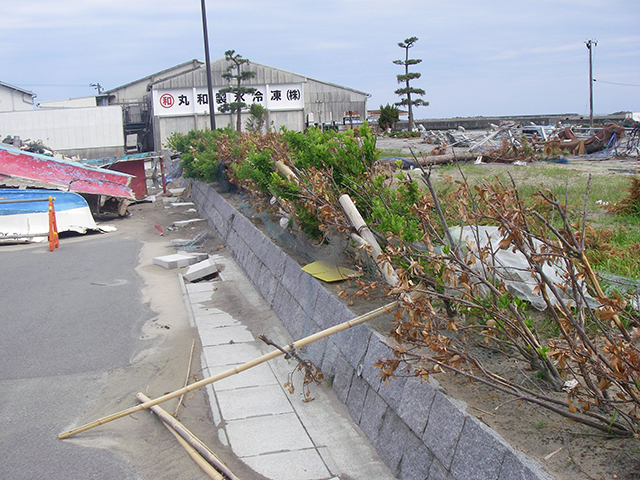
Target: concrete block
column 332, row 311
column 356, row 397
column 179, row 260
column 392, row 393
column 437, row 471
column 330, row 359
column 272, row 257
column 480, row 452
column 266, row 283
column 416, row 459
column 201, row 270
column 342, row 379
column 288, row 310
column 251, row 266
column 298, row 282
column 372, row 416
column 415, row 404
column 517, row 466
column 184, row 223
column 443, row 429
column 353, row 343
column 376, row 350
column 315, row 351
column 392, row 440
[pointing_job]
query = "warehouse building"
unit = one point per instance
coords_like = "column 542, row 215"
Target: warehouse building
column 177, row 100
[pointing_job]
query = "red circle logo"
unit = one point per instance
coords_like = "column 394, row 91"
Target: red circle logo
column 167, row 100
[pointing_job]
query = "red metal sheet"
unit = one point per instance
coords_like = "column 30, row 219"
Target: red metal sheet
column 62, row 174
column 136, row 169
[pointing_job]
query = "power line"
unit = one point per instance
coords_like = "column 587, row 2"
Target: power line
column 49, row 85
column 614, row 83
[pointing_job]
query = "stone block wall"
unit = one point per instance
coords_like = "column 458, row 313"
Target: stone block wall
column 420, row 433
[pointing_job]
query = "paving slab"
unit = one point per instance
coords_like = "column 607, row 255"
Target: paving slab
column 178, row 260
column 253, row 401
column 225, row 335
column 298, row 465
column 234, row 354
column 256, row 376
column 209, row 319
column 200, row 270
column 268, row 434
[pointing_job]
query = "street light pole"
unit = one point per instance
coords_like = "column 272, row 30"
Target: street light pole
column 589, row 44
column 212, row 110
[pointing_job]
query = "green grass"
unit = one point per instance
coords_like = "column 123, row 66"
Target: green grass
column 569, row 184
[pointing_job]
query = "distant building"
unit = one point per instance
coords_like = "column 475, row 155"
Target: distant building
column 140, row 115
column 15, row 99
column 177, row 100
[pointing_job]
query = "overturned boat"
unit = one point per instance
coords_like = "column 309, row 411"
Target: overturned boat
column 24, row 214
column 26, row 169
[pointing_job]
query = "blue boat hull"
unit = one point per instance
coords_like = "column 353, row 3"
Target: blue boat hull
column 24, row 218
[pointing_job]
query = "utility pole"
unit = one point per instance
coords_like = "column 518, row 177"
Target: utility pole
column 589, row 44
column 212, row 103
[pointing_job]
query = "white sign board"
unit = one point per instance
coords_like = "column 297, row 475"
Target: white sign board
column 189, row 101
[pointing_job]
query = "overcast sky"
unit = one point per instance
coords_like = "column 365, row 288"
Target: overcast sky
column 479, row 58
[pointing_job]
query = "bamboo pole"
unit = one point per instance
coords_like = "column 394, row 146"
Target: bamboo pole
column 240, row 368
column 186, row 380
column 195, row 456
column 183, row 433
column 363, row 230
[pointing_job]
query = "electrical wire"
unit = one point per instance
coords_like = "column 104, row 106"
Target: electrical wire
column 615, row 83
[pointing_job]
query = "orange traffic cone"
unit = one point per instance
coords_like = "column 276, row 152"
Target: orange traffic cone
column 54, row 242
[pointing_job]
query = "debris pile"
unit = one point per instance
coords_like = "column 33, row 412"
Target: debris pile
column 521, row 144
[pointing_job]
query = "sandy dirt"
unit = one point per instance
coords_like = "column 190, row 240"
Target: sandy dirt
column 162, row 367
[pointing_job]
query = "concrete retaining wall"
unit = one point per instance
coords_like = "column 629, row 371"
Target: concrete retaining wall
column 418, row 431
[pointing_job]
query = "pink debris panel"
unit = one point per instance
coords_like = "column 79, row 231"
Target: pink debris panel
column 43, row 171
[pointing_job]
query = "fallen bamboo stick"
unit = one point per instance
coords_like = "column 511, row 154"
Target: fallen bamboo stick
column 186, row 380
column 182, row 433
column 240, row 368
column 195, row 456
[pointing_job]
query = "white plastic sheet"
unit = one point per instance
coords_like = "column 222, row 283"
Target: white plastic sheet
column 511, row 266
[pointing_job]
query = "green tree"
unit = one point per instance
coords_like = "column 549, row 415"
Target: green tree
column 389, row 116
column 407, row 90
column 258, row 118
column 236, row 76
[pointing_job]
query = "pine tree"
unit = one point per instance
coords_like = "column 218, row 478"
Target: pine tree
column 407, row 90
column 238, row 91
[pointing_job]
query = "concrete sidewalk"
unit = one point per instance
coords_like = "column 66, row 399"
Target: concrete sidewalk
column 274, row 432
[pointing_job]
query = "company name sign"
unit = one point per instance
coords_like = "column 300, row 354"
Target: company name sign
column 189, row 101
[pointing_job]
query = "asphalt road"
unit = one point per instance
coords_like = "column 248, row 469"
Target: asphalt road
column 75, row 345
column 67, row 317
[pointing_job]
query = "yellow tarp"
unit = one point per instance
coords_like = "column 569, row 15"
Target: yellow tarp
column 329, row 273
